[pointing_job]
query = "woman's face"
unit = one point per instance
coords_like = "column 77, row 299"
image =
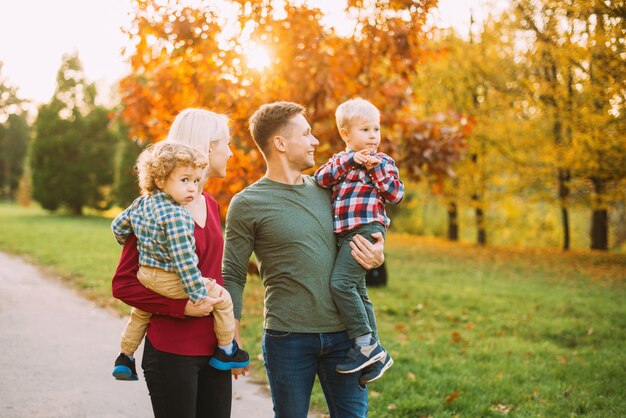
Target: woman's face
column 219, row 154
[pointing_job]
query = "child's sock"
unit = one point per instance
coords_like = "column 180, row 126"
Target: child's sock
column 130, row 356
column 228, row 349
column 363, row 340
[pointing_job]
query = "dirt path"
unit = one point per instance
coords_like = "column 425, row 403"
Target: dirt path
column 56, row 351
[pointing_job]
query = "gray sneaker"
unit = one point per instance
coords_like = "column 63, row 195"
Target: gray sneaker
column 355, row 359
column 376, row 370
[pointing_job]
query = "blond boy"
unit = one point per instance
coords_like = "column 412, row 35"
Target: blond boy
column 169, row 177
column 362, row 181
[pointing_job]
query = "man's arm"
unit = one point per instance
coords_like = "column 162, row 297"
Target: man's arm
column 239, row 236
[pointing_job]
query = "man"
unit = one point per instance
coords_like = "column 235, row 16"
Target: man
column 286, row 219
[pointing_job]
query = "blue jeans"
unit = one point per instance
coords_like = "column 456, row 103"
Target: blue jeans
column 292, row 360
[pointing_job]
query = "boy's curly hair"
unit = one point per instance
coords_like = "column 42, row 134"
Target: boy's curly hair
column 157, row 161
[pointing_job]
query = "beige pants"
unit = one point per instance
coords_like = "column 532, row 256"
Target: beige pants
column 168, row 284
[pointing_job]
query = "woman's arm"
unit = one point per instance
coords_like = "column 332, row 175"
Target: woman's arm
column 127, row 288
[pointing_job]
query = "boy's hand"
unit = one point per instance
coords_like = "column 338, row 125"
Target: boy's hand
column 372, row 162
column 363, row 157
column 208, row 283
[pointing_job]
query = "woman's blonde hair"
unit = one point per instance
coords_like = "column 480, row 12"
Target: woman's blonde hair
column 158, row 161
column 197, row 128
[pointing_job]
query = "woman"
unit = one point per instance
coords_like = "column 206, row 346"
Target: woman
column 180, row 337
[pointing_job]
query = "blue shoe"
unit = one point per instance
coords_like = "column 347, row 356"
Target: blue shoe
column 356, row 360
column 376, row 370
column 237, row 360
column 125, row 368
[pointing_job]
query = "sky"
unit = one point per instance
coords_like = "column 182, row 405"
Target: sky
column 36, row 33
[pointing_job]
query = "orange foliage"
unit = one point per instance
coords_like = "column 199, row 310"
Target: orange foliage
column 180, row 58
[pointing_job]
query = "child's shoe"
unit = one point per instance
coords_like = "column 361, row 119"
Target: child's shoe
column 236, row 360
column 125, row 368
column 376, row 370
column 361, row 357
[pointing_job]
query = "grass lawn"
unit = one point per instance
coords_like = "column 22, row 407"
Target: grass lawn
column 474, row 332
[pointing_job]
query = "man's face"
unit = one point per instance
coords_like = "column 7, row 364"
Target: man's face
column 300, row 144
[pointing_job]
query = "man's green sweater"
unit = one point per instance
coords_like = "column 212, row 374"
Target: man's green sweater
column 290, row 230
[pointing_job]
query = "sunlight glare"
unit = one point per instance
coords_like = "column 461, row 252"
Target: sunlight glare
column 257, row 57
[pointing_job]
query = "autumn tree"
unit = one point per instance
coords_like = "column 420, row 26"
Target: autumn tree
column 182, row 58
column 576, row 69
column 72, row 154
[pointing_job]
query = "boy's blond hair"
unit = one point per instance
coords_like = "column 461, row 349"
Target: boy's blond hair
column 354, row 110
column 158, row 161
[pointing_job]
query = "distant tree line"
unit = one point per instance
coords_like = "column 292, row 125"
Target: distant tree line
column 527, row 107
column 79, row 154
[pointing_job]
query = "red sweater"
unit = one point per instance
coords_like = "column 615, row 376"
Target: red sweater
column 169, row 329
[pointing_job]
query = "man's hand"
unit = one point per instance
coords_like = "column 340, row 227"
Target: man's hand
column 243, row 371
column 367, row 254
column 203, row 307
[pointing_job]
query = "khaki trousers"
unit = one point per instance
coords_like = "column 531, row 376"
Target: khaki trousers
column 168, row 284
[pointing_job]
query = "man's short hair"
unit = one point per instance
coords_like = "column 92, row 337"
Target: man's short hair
column 269, row 120
column 355, row 110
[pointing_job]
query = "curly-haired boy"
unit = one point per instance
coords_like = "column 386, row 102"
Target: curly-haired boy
column 169, row 176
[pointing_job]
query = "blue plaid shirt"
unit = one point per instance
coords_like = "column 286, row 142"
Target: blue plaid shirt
column 165, row 240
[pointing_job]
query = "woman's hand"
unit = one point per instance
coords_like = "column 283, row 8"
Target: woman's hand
column 367, row 254
column 203, row 307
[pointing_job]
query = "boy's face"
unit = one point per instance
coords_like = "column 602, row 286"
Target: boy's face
column 182, row 184
column 362, row 134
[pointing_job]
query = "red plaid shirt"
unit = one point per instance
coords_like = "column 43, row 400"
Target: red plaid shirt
column 359, row 195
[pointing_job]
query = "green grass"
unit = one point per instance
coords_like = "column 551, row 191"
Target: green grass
column 474, row 332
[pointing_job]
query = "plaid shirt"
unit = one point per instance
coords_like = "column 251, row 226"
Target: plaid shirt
column 164, row 231
column 359, row 195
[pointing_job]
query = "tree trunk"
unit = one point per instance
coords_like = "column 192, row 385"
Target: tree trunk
column 453, row 222
column 481, row 233
column 480, row 227
column 564, row 178
column 599, row 219
column 77, row 210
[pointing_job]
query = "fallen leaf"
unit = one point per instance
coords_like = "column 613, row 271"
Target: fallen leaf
column 410, row 376
column 456, row 337
column 392, row 406
column 502, row 408
column 452, row 396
